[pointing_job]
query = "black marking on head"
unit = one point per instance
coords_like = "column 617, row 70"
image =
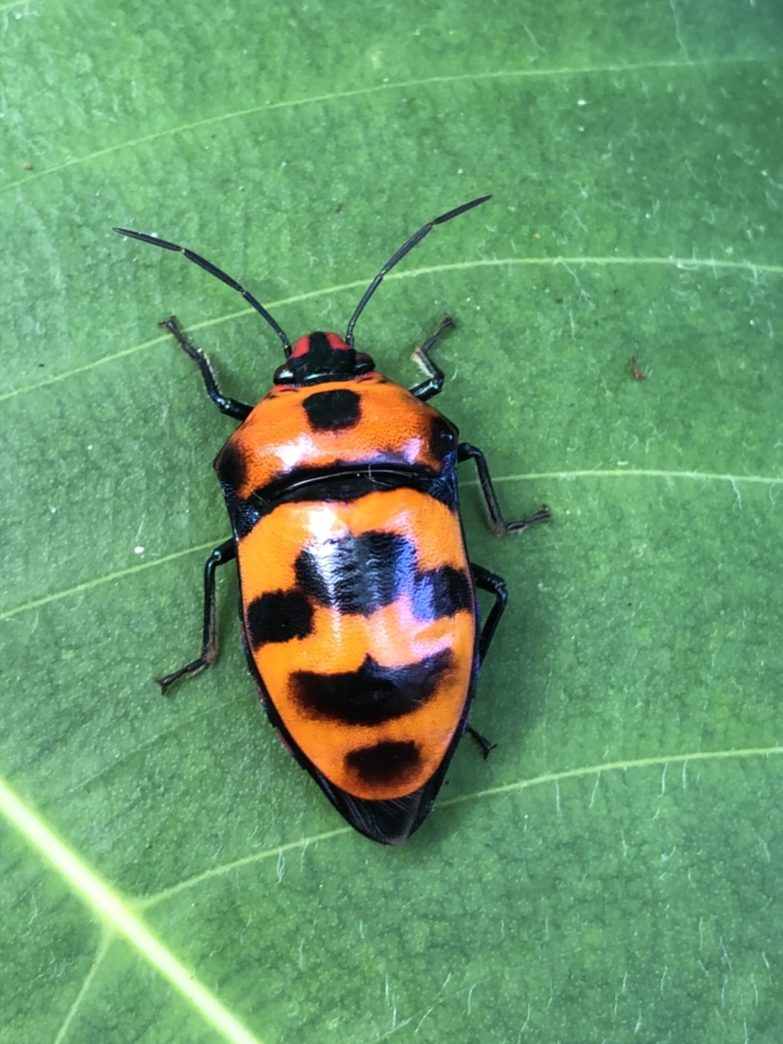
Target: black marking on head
column 278, row 617
column 373, row 694
column 332, row 410
column 230, row 465
column 357, row 574
column 386, row 762
column 318, row 344
column 441, row 592
column 322, row 362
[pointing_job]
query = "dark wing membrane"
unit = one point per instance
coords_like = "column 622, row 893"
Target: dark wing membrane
column 387, row 822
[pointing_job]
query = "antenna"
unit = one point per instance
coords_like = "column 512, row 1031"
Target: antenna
column 215, row 271
column 400, row 254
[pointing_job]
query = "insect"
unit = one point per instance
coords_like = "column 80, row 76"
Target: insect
column 358, row 600
column 636, row 371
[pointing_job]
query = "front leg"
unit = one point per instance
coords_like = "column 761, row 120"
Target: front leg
column 239, row 410
column 434, row 382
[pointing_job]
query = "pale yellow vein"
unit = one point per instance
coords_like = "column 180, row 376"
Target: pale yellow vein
column 752, row 267
column 507, row 788
column 87, row 585
column 100, row 953
column 120, row 916
column 665, row 473
column 357, row 92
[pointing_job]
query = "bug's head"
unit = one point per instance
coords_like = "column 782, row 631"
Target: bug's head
column 322, row 357
column 318, row 356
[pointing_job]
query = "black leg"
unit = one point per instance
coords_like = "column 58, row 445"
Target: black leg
column 484, row 744
column 496, row 585
column 239, row 410
column 434, row 382
column 209, row 637
column 496, row 520
column 486, row 580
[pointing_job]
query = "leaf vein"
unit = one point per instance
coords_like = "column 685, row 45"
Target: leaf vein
column 118, row 914
column 624, row 765
column 356, row 92
column 100, row 952
column 714, row 264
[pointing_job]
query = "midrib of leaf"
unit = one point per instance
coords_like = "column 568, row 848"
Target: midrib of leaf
column 564, row 476
column 682, row 263
column 315, row 99
column 119, row 917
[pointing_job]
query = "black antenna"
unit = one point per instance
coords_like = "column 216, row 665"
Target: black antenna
column 215, row 271
column 400, row 254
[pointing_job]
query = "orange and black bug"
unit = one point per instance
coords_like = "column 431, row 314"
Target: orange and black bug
column 357, row 597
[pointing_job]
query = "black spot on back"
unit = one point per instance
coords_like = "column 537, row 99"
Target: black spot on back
column 333, row 410
column 357, row 574
column 372, row 694
column 278, row 617
column 386, row 762
column 230, row 465
column 361, row 574
column 441, row 592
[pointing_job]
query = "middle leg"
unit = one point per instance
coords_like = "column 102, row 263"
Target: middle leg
column 490, row 498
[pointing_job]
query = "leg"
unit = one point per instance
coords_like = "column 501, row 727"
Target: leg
column 485, row 746
column 496, row 585
column 209, row 637
column 434, row 382
column 230, row 406
column 496, row 520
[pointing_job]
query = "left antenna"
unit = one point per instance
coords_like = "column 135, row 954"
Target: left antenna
column 218, row 273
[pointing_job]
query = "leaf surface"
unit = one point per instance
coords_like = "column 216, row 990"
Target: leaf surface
column 612, row 872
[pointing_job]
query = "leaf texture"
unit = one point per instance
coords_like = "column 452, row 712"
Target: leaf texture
column 612, row 872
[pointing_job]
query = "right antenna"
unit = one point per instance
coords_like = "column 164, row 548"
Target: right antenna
column 400, row 254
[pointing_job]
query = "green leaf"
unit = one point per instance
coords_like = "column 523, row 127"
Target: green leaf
column 612, row 872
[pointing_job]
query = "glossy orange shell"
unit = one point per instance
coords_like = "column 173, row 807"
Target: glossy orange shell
column 426, row 616
column 277, row 439
column 339, row 642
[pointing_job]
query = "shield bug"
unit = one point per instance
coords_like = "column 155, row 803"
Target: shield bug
column 357, row 596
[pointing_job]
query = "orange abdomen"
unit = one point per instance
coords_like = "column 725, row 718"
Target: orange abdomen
column 360, row 619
